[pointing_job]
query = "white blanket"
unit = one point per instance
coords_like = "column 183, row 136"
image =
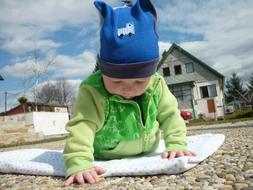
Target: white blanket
column 50, row 162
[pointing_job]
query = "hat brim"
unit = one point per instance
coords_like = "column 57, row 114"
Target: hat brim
column 128, row 70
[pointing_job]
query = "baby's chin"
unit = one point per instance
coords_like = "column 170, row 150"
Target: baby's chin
column 130, row 97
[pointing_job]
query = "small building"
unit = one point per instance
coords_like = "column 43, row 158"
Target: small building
column 24, row 124
column 197, row 87
column 31, row 106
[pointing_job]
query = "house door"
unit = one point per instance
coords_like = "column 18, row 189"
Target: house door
column 211, row 105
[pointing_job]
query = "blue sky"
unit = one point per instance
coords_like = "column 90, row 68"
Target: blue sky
column 218, row 32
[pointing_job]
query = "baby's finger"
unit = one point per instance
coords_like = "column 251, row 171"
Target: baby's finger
column 187, row 153
column 69, row 181
column 172, row 155
column 79, row 178
column 193, row 153
column 88, row 177
column 99, row 170
column 180, row 154
column 165, row 155
column 94, row 174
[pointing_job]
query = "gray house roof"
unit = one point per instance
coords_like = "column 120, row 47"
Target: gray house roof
column 175, row 46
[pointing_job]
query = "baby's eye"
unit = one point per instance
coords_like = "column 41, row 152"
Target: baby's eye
column 116, row 81
column 140, row 82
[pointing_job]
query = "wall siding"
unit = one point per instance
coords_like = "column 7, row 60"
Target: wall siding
column 200, row 74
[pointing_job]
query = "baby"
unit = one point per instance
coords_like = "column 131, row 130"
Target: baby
column 121, row 109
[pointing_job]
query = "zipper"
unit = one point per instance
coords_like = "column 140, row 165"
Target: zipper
column 145, row 138
column 145, row 130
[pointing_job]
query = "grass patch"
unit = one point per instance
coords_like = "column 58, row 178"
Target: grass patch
column 213, row 122
column 240, row 114
column 53, row 139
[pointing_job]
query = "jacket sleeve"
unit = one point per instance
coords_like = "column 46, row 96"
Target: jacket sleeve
column 170, row 121
column 87, row 119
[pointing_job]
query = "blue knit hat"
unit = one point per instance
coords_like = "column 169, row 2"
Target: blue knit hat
column 128, row 40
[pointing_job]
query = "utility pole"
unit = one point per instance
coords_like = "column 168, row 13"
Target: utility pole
column 1, row 78
column 5, row 108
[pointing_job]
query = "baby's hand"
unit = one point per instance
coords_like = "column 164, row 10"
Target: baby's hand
column 86, row 176
column 177, row 153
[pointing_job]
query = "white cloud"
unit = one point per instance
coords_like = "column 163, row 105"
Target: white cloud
column 46, row 14
column 30, row 21
column 163, row 46
column 63, row 66
column 226, row 28
column 24, row 22
column 79, row 66
column 19, row 70
column 20, row 45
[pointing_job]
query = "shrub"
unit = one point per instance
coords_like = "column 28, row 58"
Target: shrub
column 50, row 108
column 240, row 114
column 22, row 100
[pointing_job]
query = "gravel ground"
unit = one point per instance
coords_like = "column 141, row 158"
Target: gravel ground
column 231, row 167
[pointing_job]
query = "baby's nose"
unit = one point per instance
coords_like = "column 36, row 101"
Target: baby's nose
column 128, row 89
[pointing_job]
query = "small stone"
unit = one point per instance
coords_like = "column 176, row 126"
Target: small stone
column 180, row 187
column 229, row 182
column 240, row 185
column 240, row 179
column 220, row 173
column 202, row 177
column 226, row 187
column 172, row 177
column 248, row 174
column 247, row 188
column 230, row 177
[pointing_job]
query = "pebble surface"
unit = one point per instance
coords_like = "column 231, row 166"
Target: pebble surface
column 231, row 167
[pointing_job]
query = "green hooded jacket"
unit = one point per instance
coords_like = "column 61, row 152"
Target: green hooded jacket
column 107, row 126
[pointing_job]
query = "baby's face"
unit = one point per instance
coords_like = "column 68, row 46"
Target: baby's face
column 127, row 88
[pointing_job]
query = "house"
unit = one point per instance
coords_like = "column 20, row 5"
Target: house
column 197, row 87
column 23, row 124
column 31, row 106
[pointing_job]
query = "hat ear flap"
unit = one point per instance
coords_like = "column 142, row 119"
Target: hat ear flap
column 144, row 6
column 104, row 10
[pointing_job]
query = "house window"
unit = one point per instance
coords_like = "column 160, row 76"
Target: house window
column 178, row 69
column 181, row 92
column 189, row 67
column 204, row 91
column 166, row 71
column 212, row 90
column 208, row 91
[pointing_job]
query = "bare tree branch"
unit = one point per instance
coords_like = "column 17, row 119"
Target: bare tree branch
column 39, row 69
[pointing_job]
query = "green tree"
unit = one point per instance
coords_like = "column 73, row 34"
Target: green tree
column 234, row 88
column 96, row 66
column 23, row 100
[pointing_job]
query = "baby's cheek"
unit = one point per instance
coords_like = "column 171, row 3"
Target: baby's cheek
column 117, row 91
column 141, row 89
